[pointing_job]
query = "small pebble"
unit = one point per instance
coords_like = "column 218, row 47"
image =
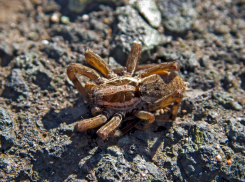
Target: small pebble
column 229, row 162
column 218, row 157
column 65, row 20
column 85, row 17
column 187, row 139
column 45, row 42
column 184, row 111
column 106, row 21
column 55, row 18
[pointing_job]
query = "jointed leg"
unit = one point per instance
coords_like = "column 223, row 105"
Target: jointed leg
column 176, row 98
column 130, row 125
column 78, row 68
column 110, row 127
column 84, row 70
column 133, row 57
column 71, row 75
column 94, row 122
column 175, row 108
column 90, row 123
column 145, row 116
column 97, row 62
column 160, row 68
column 89, row 87
column 146, row 67
column 138, row 67
column 96, row 110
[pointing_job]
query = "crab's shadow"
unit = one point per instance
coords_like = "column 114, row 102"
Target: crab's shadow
column 68, row 115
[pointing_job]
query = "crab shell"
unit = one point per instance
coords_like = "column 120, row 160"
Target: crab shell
column 129, row 93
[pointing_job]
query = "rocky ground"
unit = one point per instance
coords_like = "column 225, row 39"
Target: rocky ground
column 39, row 105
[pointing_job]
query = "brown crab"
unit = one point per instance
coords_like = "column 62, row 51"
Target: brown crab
column 123, row 92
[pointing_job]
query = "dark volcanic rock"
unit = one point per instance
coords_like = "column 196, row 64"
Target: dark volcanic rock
column 235, row 171
column 200, row 165
column 16, row 86
column 34, row 69
column 54, row 51
column 236, row 134
column 6, row 130
column 132, row 27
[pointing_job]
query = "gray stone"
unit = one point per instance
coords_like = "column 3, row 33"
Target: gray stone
column 16, row 86
column 235, row 171
column 152, row 168
column 34, row 69
column 150, row 11
column 6, row 129
column 226, row 99
column 236, row 135
column 54, row 51
column 132, row 25
column 186, row 59
column 67, row 128
column 198, row 165
column 178, row 16
column 133, row 28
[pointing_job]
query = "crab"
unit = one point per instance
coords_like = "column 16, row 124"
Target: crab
column 136, row 90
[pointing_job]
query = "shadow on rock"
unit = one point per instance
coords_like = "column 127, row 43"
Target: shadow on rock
column 54, row 167
column 87, row 156
column 67, row 115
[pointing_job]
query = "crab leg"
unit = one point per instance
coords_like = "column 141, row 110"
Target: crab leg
column 90, row 73
column 172, row 117
column 160, row 68
column 109, row 127
column 145, row 116
column 97, row 62
column 90, row 123
column 138, row 67
column 84, row 70
column 176, row 108
column 96, row 110
column 133, row 57
column 176, row 98
column 94, row 122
